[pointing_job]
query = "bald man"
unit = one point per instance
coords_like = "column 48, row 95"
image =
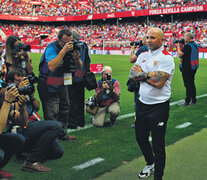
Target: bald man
column 189, row 64
column 154, row 69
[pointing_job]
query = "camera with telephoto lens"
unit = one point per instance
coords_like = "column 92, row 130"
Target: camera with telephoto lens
column 133, row 84
column 136, row 43
column 26, row 90
column 182, row 41
column 19, row 46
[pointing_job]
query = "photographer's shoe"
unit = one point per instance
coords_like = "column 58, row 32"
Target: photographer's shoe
column 37, row 166
column 4, row 174
column 147, row 171
column 67, row 137
column 184, row 104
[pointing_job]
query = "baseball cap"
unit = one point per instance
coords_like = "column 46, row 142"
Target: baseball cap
column 106, row 68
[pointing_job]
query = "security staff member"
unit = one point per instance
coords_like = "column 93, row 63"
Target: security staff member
column 189, row 64
column 154, row 69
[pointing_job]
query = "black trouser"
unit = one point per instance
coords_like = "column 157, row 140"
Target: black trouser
column 76, row 98
column 55, row 105
column 41, row 140
column 10, row 143
column 188, row 79
column 152, row 118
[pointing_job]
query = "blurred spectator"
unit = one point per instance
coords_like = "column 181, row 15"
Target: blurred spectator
column 77, row 8
column 2, row 62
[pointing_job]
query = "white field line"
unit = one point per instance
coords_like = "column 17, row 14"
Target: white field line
column 130, row 115
column 184, row 125
column 88, row 163
column 206, row 116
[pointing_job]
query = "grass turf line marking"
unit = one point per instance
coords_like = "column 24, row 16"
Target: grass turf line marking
column 206, row 116
column 129, row 115
column 88, row 163
column 184, row 125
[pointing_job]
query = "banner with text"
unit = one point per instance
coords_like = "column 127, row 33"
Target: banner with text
column 173, row 10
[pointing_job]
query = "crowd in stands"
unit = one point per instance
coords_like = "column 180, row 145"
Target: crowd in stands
column 85, row 7
column 105, row 34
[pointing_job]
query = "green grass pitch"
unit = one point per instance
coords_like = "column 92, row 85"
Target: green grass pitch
column 117, row 145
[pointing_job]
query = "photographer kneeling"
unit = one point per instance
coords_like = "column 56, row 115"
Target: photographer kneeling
column 107, row 95
column 41, row 136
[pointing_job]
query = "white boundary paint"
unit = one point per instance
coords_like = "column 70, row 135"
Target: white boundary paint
column 98, row 160
column 129, row 115
column 184, row 125
column 88, row 163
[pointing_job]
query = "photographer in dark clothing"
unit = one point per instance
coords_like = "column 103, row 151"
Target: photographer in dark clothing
column 57, row 66
column 17, row 55
column 41, row 136
column 189, row 64
column 10, row 143
column 76, row 91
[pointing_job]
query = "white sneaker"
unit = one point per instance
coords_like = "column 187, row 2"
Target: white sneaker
column 146, row 172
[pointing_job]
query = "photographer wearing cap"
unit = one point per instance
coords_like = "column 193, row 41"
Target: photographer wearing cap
column 107, row 96
column 57, row 66
column 10, row 143
column 142, row 48
column 41, row 136
column 17, row 55
column 76, row 91
column 189, row 64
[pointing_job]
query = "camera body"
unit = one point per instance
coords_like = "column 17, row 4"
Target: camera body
column 136, row 43
column 32, row 79
column 133, row 85
column 69, row 63
column 26, row 90
column 19, row 46
column 108, row 80
column 182, row 41
column 76, row 45
column 91, row 102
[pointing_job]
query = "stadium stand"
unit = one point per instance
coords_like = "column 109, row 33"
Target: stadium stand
column 41, row 35
column 85, row 7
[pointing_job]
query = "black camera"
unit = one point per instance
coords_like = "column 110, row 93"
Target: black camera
column 133, row 84
column 108, row 76
column 91, row 102
column 182, row 41
column 26, row 90
column 69, row 63
column 2, row 84
column 76, row 45
column 19, row 46
column 136, row 43
column 32, row 79
column 108, row 80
